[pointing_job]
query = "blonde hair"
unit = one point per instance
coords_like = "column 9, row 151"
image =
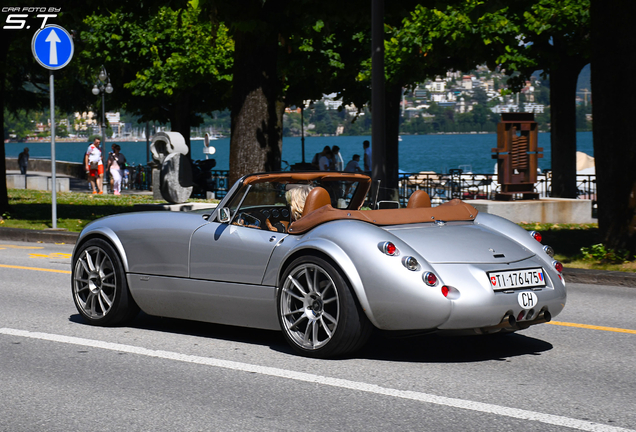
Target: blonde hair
column 296, row 199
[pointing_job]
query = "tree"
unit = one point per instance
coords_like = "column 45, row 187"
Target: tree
column 24, row 83
column 286, row 52
column 558, row 40
column 174, row 66
column 613, row 113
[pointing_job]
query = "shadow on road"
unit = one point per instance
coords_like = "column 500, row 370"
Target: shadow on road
column 430, row 348
column 435, row 348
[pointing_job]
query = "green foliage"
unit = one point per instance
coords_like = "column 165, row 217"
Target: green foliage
column 599, row 253
column 169, row 58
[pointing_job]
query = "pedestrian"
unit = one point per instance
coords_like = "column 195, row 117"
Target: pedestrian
column 367, row 156
column 354, row 164
column 23, row 161
column 115, row 165
column 325, row 162
column 107, row 173
column 338, row 162
column 94, row 166
column 315, row 162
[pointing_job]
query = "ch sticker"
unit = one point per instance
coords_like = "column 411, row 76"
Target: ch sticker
column 527, row 300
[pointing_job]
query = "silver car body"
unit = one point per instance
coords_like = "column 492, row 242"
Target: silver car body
column 190, row 265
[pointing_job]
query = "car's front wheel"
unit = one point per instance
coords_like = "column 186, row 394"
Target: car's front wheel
column 100, row 290
column 317, row 311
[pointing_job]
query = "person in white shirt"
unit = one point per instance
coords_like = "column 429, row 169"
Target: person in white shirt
column 116, row 163
column 94, row 166
column 354, row 164
column 324, row 164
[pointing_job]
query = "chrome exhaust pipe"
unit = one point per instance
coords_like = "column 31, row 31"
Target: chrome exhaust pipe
column 543, row 317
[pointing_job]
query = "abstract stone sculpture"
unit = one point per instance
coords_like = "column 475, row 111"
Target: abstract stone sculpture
column 176, row 178
column 165, row 143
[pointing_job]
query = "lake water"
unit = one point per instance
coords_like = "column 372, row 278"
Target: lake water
column 437, row 153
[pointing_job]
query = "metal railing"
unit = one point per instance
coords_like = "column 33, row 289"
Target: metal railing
column 456, row 184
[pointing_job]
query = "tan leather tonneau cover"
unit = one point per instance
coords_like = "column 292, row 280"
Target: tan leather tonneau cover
column 455, row 210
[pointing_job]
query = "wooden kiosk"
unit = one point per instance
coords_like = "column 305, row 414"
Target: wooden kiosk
column 517, row 156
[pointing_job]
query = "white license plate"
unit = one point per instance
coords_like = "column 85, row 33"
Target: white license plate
column 525, row 278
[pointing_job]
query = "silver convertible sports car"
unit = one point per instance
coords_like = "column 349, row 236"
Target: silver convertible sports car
column 295, row 252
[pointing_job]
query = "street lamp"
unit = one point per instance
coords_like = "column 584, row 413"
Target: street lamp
column 103, row 86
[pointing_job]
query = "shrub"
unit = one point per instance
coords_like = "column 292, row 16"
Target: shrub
column 599, row 253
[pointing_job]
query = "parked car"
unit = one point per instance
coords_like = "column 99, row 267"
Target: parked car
column 325, row 279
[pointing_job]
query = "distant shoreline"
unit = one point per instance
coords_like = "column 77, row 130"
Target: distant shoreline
column 75, row 140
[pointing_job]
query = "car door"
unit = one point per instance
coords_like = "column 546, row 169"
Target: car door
column 231, row 253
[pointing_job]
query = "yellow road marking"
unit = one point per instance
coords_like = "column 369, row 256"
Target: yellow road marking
column 22, row 247
column 35, row 268
column 59, row 255
column 593, row 327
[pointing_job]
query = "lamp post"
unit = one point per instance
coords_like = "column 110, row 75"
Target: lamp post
column 103, row 86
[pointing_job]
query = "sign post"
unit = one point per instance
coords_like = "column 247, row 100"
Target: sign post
column 52, row 48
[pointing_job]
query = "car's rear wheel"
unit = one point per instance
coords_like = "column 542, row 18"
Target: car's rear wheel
column 100, row 290
column 317, row 311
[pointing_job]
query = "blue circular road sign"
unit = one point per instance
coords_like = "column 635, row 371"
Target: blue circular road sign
column 52, row 47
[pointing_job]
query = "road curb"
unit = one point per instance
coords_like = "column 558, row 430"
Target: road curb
column 38, row 236
column 571, row 275
column 599, row 277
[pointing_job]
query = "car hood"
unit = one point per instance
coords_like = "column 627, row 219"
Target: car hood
column 460, row 243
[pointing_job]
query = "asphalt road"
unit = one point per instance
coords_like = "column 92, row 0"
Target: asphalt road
column 59, row 374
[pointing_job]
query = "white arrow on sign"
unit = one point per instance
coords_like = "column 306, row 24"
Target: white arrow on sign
column 53, row 39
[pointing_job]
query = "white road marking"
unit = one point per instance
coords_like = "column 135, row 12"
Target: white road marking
column 334, row 382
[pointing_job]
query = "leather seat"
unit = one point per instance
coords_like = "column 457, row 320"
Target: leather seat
column 317, row 197
column 419, row 199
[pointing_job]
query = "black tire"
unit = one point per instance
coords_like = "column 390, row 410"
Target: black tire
column 317, row 311
column 99, row 286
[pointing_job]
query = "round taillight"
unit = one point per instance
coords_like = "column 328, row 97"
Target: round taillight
column 429, row 279
column 547, row 249
column 445, row 291
column 390, row 249
column 537, row 236
column 558, row 266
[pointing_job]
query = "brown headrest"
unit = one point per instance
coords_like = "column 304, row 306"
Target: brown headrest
column 318, row 197
column 419, row 199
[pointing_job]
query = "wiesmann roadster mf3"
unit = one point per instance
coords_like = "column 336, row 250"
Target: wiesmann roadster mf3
column 325, row 278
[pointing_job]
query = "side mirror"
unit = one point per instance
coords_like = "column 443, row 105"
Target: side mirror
column 224, row 215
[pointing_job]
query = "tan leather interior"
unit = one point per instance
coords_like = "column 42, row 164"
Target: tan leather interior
column 455, row 210
column 318, row 197
column 364, row 181
column 419, row 199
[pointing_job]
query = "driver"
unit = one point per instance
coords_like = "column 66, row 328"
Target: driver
column 296, row 200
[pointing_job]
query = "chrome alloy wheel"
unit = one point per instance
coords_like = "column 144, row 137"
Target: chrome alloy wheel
column 310, row 306
column 94, row 282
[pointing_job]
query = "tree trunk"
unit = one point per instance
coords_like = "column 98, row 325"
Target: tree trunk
column 4, row 198
column 257, row 110
column 563, row 79
column 180, row 118
column 613, row 112
column 392, row 129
